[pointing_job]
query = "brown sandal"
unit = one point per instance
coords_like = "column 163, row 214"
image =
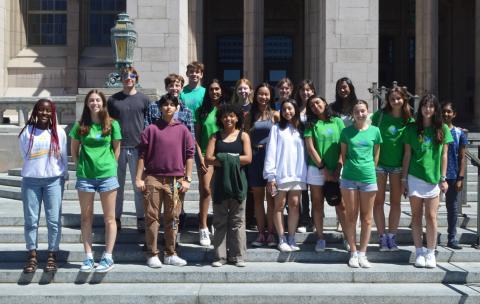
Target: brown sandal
column 51, row 265
column 32, row 263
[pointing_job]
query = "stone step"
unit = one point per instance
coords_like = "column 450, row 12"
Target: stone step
column 15, row 234
column 14, row 192
column 258, row 272
column 16, row 181
column 259, row 293
column 11, row 214
column 68, row 195
column 133, row 253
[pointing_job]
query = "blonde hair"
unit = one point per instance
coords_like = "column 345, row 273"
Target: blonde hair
column 235, row 98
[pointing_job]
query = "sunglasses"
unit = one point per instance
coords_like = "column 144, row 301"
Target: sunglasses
column 129, row 75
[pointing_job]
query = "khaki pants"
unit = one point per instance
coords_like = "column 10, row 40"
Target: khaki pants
column 229, row 223
column 162, row 189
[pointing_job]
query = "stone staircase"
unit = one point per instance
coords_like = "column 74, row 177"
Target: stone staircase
column 270, row 276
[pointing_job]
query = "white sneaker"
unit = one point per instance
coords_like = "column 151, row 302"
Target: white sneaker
column 420, row 261
column 363, row 262
column 430, row 260
column 174, row 260
column 204, row 237
column 302, row 229
column 154, row 262
column 283, row 246
column 353, row 262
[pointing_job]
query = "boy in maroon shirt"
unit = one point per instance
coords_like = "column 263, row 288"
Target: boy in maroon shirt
column 164, row 174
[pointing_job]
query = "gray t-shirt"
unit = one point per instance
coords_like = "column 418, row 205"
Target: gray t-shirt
column 129, row 111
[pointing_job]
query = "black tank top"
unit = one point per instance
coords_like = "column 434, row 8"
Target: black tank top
column 235, row 146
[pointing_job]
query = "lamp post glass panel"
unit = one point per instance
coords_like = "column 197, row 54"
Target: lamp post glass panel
column 123, row 37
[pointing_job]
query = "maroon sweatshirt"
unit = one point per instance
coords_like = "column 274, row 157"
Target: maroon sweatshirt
column 165, row 148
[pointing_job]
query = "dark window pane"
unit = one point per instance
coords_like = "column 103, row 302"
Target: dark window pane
column 102, row 16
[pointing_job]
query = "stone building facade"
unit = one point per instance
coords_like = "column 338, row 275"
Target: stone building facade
column 429, row 45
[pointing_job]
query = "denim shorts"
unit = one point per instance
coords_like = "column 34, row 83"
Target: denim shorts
column 96, row 184
column 353, row 185
column 388, row 170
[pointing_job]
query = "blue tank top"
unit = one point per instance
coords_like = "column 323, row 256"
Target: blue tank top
column 260, row 131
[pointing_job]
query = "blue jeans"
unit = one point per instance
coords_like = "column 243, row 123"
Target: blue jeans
column 50, row 191
column 128, row 156
column 452, row 209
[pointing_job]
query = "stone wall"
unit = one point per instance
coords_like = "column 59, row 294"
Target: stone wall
column 351, row 44
column 162, row 45
column 3, row 55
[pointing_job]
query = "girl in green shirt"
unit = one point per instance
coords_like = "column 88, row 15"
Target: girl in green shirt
column 360, row 148
column 95, row 149
column 205, row 127
column 423, row 176
column 322, row 140
column 392, row 121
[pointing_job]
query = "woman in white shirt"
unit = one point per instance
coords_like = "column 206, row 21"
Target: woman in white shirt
column 43, row 147
column 286, row 171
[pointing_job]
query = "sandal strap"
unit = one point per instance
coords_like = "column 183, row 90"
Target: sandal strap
column 51, row 262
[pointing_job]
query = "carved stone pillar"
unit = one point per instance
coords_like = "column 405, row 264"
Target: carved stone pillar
column 426, row 49
column 253, row 40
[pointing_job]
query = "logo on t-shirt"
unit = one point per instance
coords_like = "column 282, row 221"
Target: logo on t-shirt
column 426, row 142
column 328, row 132
column 361, row 143
column 98, row 136
column 393, row 130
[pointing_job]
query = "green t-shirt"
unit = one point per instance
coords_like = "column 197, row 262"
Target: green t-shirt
column 96, row 159
column 391, row 129
column 209, row 127
column 359, row 165
column 326, row 139
column 192, row 99
column 426, row 156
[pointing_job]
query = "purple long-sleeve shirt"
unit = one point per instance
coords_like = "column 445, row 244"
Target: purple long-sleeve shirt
column 165, row 148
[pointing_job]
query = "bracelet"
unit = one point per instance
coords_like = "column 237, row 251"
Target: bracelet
column 443, row 179
column 322, row 165
column 460, row 178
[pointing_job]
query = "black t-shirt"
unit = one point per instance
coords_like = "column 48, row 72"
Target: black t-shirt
column 129, row 111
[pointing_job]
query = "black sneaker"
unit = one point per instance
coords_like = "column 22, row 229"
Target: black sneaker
column 454, row 245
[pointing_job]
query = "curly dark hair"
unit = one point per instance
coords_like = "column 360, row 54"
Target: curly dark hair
column 226, row 109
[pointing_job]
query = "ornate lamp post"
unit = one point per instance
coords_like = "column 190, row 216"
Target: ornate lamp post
column 123, row 37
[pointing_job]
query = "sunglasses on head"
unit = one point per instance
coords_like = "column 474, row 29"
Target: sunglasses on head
column 129, row 75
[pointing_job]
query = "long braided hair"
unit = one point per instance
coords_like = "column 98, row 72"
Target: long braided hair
column 52, row 125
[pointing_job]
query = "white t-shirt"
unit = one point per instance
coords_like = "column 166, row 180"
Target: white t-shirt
column 37, row 163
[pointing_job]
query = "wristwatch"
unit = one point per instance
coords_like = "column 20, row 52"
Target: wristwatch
column 443, row 179
column 322, row 165
column 459, row 178
column 188, row 179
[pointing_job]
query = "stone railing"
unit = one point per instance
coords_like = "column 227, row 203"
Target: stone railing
column 65, row 107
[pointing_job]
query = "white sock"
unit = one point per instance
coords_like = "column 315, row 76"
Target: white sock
column 360, row 253
column 419, row 251
column 354, row 254
column 108, row 255
column 88, row 256
column 431, row 251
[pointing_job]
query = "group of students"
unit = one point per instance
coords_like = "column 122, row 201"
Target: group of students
column 274, row 149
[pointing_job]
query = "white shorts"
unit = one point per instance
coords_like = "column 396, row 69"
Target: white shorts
column 315, row 176
column 290, row 186
column 420, row 188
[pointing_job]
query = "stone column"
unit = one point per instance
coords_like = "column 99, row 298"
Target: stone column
column 426, row 48
column 477, row 62
column 3, row 56
column 253, row 40
column 195, row 32
column 73, row 33
column 315, row 43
